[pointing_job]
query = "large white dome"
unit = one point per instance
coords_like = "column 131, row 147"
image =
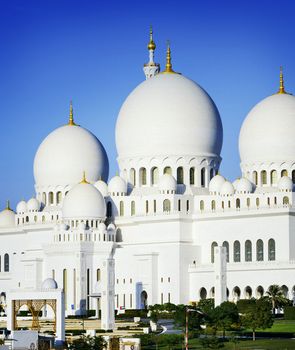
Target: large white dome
column 7, row 218
column 84, row 201
column 66, row 153
column 267, row 134
column 174, row 115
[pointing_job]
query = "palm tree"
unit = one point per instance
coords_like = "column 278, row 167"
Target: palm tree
column 276, row 296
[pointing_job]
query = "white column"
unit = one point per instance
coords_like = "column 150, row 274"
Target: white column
column 60, row 319
column 108, row 294
column 220, row 275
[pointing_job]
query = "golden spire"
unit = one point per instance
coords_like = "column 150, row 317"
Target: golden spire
column 84, row 181
column 71, row 115
column 7, row 205
column 282, row 88
column 151, row 44
column 168, row 68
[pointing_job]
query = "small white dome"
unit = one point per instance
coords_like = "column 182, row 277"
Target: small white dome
column 243, row 185
column 235, row 183
column 117, row 185
column 7, row 218
column 215, row 184
column 49, row 283
column 84, row 201
column 102, row 187
column 227, row 189
column 267, row 133
column 111, row 227
column 33, row 205
column 285, row 184
column 64, row 227
column 82, row 225
column 102, row 227
column 21, row 207
column 65, row 153
column 167, row 183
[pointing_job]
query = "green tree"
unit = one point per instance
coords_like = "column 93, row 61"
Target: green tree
column 88, row 343
column 206, row 305
column 223, row 316
column 276, row 296
column 195, row 317
column 211, row 343
column 258, row 316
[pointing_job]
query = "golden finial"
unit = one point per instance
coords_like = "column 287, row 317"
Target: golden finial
column 151, row 44
column 8, row 205
column 71, row 115
column 168, row 68
column 282, row 88
column 84, row 181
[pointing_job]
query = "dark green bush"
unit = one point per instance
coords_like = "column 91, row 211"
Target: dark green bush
column 289, row 312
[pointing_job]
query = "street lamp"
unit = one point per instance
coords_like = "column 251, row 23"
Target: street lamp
column 186, row 325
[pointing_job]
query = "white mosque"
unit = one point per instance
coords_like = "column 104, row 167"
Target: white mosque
column 163, row 215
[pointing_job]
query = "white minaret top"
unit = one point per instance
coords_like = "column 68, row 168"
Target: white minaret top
column 151, row 68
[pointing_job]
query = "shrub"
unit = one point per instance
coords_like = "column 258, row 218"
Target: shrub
column 289, row 313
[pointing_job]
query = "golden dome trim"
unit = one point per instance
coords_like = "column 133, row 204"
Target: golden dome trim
column 282, row 87
column 71, row 115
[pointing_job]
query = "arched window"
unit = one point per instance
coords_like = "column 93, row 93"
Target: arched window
column 203, row 170
column 203, row 293
column 187, row 205
column 293, row 176
column 273, row 177
column 257, row 202
column 50, row 196
column 179, row 205
column 142, row 176
column 168, row 170
column 237, row 251
column 263, row 177
column 248, row 251
column 155, row 175
column 222, row 204
column 98, row 275
column 248, row 202
column 180, row 175
column 284, row 172
column 226, row 245
column 202, row 205
column 271, row 250
column 259, row 292
column 155, row 206
column 132, row 208
column 275, row 200
column 146, row 207
column 286, row 200
column 166, row 205
column 6, row 262
column 58, row 197
column 109, row 210
column 132, row 177
column 121, row 208
column 44, row 198
column 248, row 292
column 213, row 245
column 259, row 250
column 238, row 203
column 268, row 201
column 213, row 205
column 192, row 176
column 211, row 173
column 255, row 177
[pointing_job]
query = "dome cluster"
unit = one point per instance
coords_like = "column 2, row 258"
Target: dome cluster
column 32, row 205
column 219, row 185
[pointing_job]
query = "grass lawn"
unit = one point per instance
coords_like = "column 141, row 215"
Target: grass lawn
column 269, row 344
column 281, row 326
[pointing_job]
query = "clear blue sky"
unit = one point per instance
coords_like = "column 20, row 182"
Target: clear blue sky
column 52, row 51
